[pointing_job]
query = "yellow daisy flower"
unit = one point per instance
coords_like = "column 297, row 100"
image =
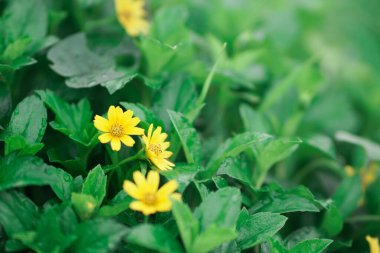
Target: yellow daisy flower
column 155, row 148
column 149, row 198
column 373, row 244
column 118, row 127
column 131, row 15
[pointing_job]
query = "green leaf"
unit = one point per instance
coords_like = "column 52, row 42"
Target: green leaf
column 117, row 205
column 321, row 143
column 73, row 120
column 273, row 198
column 237, row 168
column 71, row 58
column 28, row 123
column 311, row 246
column 183, row 174
column 20, row 171
column 253, row 121
column 213, row 208
column 211, row 238
column 154, row 237
column 347, row 203
column 189, row 137
column 17, row 212
column 97, row 236
column 332, row 222
column 145, row 114
column 95, row 185
column 257, row 228
column 372, row 149
column 233, row 147
column 57, row 239
column 178, row 94
column 188, row 226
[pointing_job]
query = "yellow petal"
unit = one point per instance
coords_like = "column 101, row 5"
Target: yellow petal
column 127, row 140
column 150, row 129
column 114, row 113
column 128, row 114
column 104, row 138
column 373, row 244
column 165, row 145
column 164, row 206
column 142, row 207
column 156, row 135
column 166, row 154
column 176, row 196
column 134, row 131
column 145, row 140
column 139, row 179
column 167, row 189
column 115, row 144
column 153, row 180
column 101, row 123
column 132, row 190
column 162, row 137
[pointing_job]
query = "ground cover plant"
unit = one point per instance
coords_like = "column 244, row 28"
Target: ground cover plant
column 189, row 126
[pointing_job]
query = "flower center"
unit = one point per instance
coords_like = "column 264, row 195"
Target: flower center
column 117, row 130
column 150, row 198
column 155, row 148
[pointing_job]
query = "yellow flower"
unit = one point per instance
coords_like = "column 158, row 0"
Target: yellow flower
column 131, row 15
column 373, row 244
column 149, row 198
column 119, row 127
column 155, row 148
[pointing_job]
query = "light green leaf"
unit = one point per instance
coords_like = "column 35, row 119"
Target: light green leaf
column 347, row 203
column 311, row 246
column 95, row 185
column 253, row 121
column 332, row 222
column 20, row 171
column 154, row 237
column 146, row 115
column 188, row 226
column 83, row 204
column 117, row 205
column 183, row 174
column 189, row 137
column 213, row 208
column 257, row 228
column 211, row 238
column 372, row 149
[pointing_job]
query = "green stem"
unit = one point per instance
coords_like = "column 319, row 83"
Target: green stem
column 364, row 218
column 138, row 156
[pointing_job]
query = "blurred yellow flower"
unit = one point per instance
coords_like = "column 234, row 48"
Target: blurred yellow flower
column 131, row 15
column 155, row 148
column 118, row 127
column 149, row 198
column 373, row 244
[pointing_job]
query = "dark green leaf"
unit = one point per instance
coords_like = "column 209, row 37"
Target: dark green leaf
column 372, row 149
column 332, row 222
column 311, row 246
column 19, row 171
column 211, row 238
column 347, row 203
column 95, row 185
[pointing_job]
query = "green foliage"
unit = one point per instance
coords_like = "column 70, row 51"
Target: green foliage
column 270, row 107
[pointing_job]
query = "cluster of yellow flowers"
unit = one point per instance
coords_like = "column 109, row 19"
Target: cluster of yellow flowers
column 132, row 16
column 118, row 128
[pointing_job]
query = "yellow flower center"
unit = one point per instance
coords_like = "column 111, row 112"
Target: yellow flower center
column 117, row 130
column 150, row 198
column 155, row 148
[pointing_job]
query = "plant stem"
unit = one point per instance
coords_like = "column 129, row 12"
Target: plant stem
column 364, row 218
column 138, row 156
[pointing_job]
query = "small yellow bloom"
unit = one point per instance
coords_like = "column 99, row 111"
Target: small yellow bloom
column 155, row 148
column 131, row 15
column 369, row 175
column 373, row 244
column 118, row 128
column 149, row 198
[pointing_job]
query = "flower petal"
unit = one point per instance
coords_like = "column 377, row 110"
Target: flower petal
column 153, row 180
column 128, row 114
column 164, row 206
column 132, row 190
column 167, row 189
column 134, row 130
column 114, row 113
column 127, row 140
column 373, row 244
column 104, row 138
column 142, row 207
column 139, row 179
column 115, row 144
column 101, row 123
column 150, row 129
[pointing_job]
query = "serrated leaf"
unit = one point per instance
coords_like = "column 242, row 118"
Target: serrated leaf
column 257, row 228
column 117, row 205
column 20, row 171
column 73, row 120
column 98, row 236
column 213, row 208
column 95, row 185
column 154, row 237
column 211, row 238
column 311, row 246
column 189, row 137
